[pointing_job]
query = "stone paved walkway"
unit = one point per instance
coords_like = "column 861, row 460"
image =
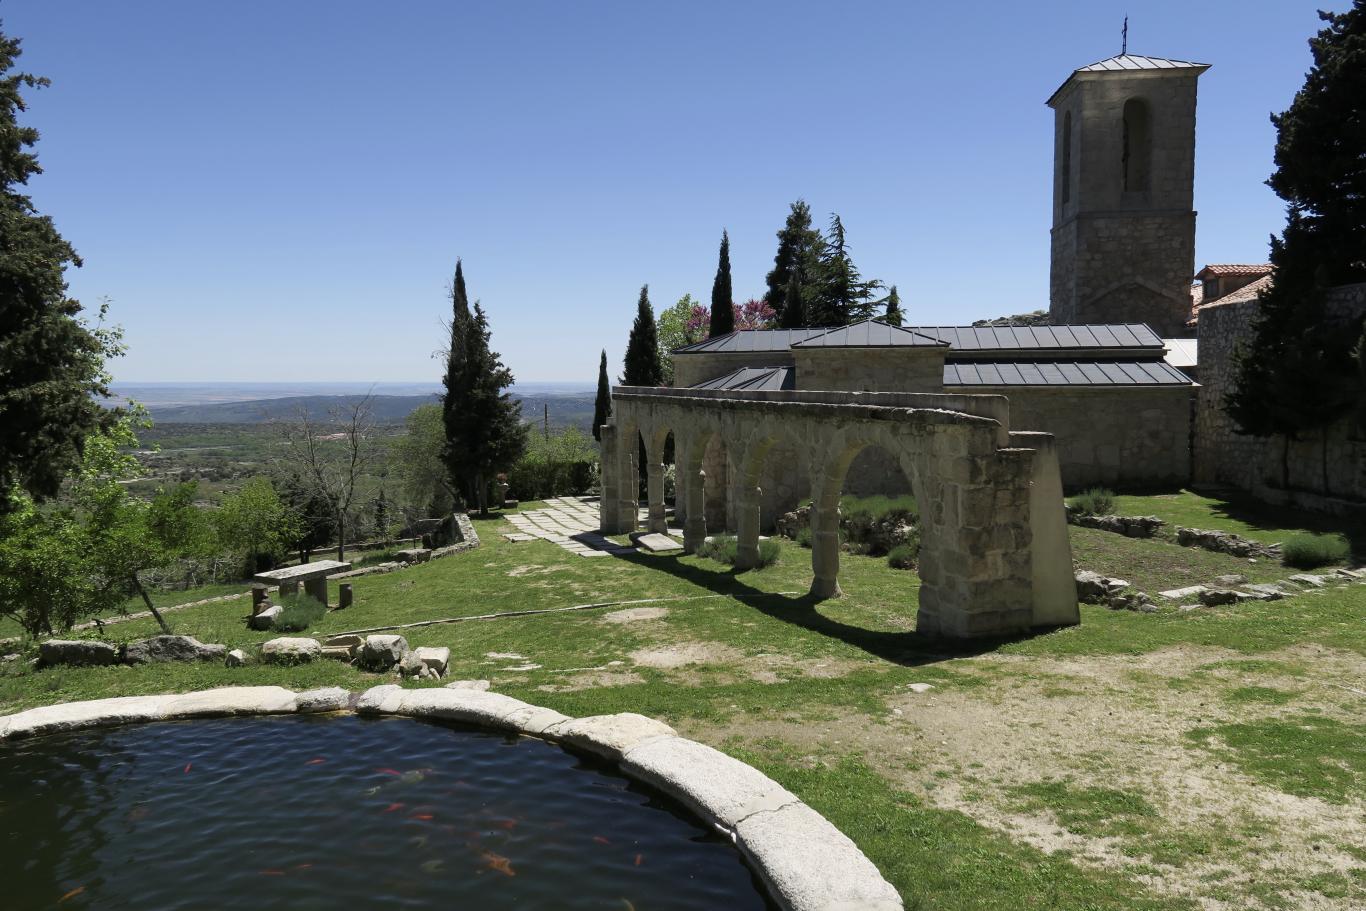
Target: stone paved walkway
column 571, row 522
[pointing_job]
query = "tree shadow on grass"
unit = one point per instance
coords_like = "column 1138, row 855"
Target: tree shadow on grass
column 1266, row 517
column 909, row 649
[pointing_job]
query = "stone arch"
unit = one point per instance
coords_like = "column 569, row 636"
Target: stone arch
column 1136, row 157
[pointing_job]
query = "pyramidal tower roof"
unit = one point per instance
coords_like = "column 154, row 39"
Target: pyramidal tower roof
column 1129, row 63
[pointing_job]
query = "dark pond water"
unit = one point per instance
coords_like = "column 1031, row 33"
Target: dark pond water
column 298, row 813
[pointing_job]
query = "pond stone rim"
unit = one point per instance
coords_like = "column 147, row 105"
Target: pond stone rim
column 804, row 861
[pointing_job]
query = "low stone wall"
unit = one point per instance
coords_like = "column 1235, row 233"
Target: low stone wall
column 1129, row 526
column 1119, row 436
column 804, row 862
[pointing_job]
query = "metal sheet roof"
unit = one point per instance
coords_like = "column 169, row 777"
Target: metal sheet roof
column 1064, row 373
column 745, row 340
column 871, row 334
column 755, row 379
column 1139, row 62
column 1044, row 339
column 1182, row 352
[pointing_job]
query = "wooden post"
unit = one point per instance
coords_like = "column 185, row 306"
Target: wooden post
column 258, row 596
column 343, row 595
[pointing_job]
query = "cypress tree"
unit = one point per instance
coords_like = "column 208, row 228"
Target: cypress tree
column 1298, row 374
column 602, row 405
column 799, row 250
column 894, row 316
column 793, row 316
column 722, row 300
column 642, row 365
column 484, row 429
column 51, row 363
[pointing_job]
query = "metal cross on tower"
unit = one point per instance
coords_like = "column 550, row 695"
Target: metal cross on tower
column 1124, row 37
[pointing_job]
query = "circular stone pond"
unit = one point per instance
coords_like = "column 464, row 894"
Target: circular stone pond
column 324, row 812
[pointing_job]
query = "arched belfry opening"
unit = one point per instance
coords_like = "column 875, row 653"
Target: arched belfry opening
column 1137, row 156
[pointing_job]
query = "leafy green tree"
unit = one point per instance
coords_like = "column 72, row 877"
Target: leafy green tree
column 800, row 249
column 1297, row 375
column 685, row 323
column 81, row 556
column 483, row 422
column 602, row 405
column 894, row 316
column 642, row 363
column 256, row 524
column 311, row 513
column 722, row 299
column 416, row 457
column 51, row 363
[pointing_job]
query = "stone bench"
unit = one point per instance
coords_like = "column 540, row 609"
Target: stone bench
column 312, row 575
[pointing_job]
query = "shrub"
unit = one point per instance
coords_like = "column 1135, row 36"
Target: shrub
column 903, row 556
column 874, row 525
column 1310, row 551
column 726, row 549
column 804, row 536
column 1098, row 501
column 299, row 613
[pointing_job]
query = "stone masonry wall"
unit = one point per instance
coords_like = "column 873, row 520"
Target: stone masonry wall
column 1118, row 437
column 871, row 369
column 1254, row 463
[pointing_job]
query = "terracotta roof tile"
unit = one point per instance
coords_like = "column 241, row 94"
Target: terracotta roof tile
column 1215, row 269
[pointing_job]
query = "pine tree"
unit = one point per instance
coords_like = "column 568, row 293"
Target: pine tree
column 894, row 316
column 484, row 429
column 843, row 296
column 51, row 363
column 793, row 316
column 602, row 405
column 642, row 365
column 799, row 251
column 1298, row 375
column 722, row 300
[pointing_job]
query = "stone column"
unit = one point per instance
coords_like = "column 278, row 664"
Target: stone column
column 317, row 589
column 611, row 479
column 654, row 492
column 747, row 500
column 825, row 549
column 628, row 485
column 695, row 523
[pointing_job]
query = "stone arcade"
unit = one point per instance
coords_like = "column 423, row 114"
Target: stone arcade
column 994, row 558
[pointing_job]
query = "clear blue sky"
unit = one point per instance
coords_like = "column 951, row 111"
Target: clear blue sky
column 279, row 191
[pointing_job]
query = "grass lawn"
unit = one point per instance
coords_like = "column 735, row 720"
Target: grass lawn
column 1203, row 759
column 1241, row 515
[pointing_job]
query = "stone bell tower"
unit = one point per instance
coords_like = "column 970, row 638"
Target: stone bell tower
column 1123, row 183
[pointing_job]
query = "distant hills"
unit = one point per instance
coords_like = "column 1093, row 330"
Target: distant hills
column 565, row 410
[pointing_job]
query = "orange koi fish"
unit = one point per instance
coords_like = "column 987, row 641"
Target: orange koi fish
column 639, row 858
column 423, row 816
column 498, row 862
column 318, row 761
column 600, row 840
column 393, row 772
column 272, row 872
column 187, row 767
column 303, row 866
column 508, row 824
column 392, row 807
column 72, row 894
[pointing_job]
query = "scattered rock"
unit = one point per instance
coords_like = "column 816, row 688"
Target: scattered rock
column 1229, row 581
column 480, row 685
column 171, row 648
column 410, row 665
column 1224, row 542
column 337, row 653
column 1267, row 592
column 76, row 653
column 1180, row 594
column 1130, row 601
column 329, row 699
column 352, row 642
column 1093, row 588
column 1129, row 526
column 266, row 618
column 1217, row 596
column 381, row 652
column 414, row 555
column 237, row 658
column 436, row 658
column 291, row 650
column 1310, row 580
column 920, row 687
